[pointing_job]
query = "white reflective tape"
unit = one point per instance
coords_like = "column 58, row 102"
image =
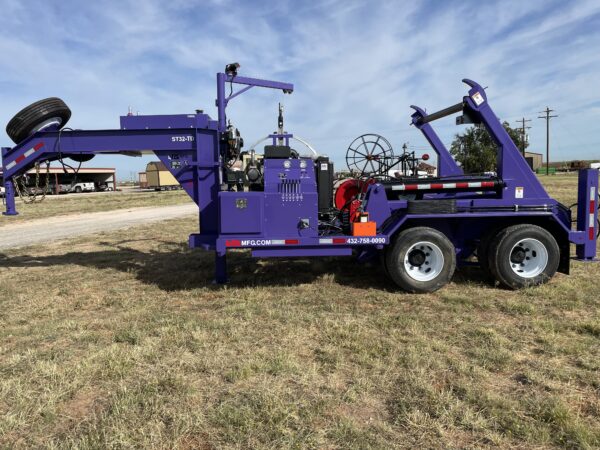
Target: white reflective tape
column 325, row 241
column 29, row 152
column 278, row 242
column 591, row 223
column 449, row 185
column 423, row 186
column 474, row 184
column 11, row 165
column 592, row 193
column 398, row 187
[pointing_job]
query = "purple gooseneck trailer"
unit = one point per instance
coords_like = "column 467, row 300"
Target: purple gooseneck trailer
column 281, row 203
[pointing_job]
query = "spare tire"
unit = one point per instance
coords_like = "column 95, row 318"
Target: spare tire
column 38, row 116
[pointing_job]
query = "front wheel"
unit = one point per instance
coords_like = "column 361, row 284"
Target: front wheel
column 421, row 259
column 523, row 255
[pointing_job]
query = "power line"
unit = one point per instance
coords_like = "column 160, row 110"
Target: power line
column 547, row 116
column 523, row 135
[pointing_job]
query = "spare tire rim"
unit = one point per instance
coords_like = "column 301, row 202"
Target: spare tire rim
column 528, row 258
column 423, row 261
column 47, row 123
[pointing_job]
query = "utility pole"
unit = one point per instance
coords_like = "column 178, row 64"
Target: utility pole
column 547, row 116
column 523, row 135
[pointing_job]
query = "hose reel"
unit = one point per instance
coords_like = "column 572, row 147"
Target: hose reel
column 369, row 155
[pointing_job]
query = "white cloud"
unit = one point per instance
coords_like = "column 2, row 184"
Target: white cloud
column 357, row 66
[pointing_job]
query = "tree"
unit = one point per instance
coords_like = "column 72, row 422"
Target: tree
column 476, row 151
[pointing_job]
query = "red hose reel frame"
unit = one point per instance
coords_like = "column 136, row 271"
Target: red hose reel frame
column 348, row 195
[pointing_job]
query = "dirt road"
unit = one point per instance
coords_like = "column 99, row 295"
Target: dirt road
column 63, row 227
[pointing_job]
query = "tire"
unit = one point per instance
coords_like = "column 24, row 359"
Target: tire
column 382, row 257
column 482, row 252
column 523, row 255
column 78, row 190
column 421, row 259
column 29, row 119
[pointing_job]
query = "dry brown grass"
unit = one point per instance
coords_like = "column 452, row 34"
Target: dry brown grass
column 120, row 340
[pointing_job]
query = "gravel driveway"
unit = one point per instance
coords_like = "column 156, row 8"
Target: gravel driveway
column 63, row 227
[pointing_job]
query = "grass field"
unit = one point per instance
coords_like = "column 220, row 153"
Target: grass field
column 83, row 203
column 120, row 341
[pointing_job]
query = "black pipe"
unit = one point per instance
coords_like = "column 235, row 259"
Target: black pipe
column 442, row 113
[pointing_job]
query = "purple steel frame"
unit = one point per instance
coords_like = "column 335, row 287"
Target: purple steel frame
column 281, row 220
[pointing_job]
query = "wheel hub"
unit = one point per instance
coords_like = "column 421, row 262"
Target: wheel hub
column 518, row 255
column 424, row 261
column 417, row 257
column 528, row 258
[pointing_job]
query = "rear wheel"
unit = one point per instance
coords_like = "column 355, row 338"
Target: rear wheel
column 482, row 252
column 421, row 259
column 523, row 255
column 78, row 190
column 36, row 117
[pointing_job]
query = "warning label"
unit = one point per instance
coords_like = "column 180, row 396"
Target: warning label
column 518, row 192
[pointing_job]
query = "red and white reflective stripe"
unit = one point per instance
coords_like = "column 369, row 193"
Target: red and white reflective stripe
column 436, row 186
column 329, row 241
column 27, row 154
column 592, row 222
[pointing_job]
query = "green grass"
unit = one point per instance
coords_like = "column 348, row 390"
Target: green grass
column 120, row 341
column 83, row 203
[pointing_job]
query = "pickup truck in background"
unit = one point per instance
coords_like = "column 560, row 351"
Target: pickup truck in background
column 77, row 188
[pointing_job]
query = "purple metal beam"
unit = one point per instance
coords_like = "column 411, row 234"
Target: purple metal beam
column 222, row 100
column 447, row 167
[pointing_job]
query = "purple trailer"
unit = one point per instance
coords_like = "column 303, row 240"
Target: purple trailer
column 281, row 204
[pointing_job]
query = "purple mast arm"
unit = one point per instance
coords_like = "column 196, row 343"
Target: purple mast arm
column 222, row 101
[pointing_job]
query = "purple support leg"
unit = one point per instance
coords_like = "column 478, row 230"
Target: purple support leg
column 9, row 194
column 220, row 268
column 587, row 213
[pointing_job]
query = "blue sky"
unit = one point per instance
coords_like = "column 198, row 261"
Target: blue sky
column 356, row 66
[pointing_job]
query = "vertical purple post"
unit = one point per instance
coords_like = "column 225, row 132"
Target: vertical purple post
column 221, row 101
column 587, row 213
column 9, row 194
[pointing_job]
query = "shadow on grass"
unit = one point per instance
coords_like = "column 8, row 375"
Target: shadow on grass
column 173, row 267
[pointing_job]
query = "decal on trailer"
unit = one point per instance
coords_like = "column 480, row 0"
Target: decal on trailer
column 366, row 240
column 233, row 243
column 478, row 98
column 182, row 138
column 519, row 191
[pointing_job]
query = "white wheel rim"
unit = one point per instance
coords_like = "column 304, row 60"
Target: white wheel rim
column 46, row 123
column 528, row 258
column 423, row 261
